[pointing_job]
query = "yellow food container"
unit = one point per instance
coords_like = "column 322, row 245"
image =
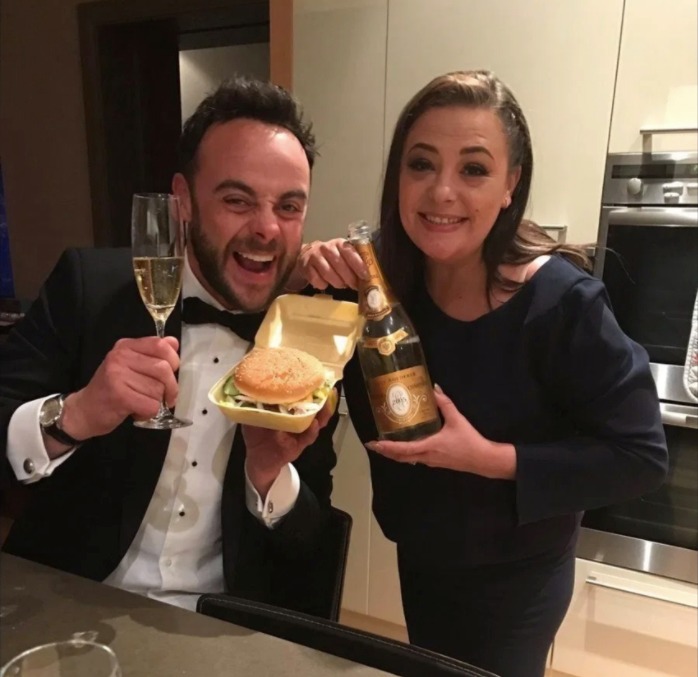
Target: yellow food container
column 319, row 325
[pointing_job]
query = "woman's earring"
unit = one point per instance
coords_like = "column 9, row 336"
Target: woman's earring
column 507, row 202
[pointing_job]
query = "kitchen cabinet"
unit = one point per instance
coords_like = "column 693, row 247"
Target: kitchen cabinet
column 371, row 586
column 628, row 624
column 657, row 75
column 352, row 493
column 339, row 77
column 357, row 62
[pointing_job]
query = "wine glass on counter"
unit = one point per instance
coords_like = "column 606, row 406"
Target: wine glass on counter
column 70, row 658
column 157, row 245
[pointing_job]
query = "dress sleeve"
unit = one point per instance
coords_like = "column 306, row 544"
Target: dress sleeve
column 601, row 383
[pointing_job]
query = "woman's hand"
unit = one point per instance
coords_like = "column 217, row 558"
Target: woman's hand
column 457, row 446
column 334, row 263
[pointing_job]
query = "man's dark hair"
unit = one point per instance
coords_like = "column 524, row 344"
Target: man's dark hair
column 243, row 97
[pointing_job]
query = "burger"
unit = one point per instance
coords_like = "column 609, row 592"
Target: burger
column 282, row 380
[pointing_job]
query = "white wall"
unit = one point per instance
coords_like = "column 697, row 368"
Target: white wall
column 202, row 70
column 339, row 77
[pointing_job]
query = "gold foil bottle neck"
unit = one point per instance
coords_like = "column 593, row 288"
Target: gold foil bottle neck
column 375, row 297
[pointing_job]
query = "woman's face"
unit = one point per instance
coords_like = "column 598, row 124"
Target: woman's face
column 454, row 180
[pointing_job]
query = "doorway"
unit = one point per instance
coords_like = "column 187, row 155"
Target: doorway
column 137, row 57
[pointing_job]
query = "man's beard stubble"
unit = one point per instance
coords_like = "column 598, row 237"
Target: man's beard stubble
column 212, row 265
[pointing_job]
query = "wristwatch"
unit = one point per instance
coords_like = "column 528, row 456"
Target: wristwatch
column 50, row 419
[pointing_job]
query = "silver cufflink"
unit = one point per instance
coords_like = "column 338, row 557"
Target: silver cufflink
column 28, row 466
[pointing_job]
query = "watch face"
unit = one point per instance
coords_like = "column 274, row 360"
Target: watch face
column 50, row 411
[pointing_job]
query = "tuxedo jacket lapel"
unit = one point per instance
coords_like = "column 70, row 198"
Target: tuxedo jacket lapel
column 232, row 512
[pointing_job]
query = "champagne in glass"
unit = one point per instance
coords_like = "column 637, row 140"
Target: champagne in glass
column 157, row 243
column 159, row 281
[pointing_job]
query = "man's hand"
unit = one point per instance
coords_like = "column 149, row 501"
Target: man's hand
column 334, row 263
column 131, row 381
column 268, row 451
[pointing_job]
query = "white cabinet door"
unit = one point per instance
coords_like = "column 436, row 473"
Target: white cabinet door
column 657, row 75
column 352, row 493
column 339, row 77
column 628, row 624
column 559, row 58
column 371, row 586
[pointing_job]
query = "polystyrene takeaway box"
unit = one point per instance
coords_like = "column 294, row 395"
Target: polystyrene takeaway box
column 319, row 325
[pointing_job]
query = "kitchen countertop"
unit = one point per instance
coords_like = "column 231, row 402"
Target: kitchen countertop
column 150, row 639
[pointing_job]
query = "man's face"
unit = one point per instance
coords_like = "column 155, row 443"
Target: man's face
column 246, row 210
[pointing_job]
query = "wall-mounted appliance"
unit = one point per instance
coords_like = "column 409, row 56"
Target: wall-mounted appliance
column 647, row 256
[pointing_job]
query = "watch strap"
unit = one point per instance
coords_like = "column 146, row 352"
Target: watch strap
column 60, row 435
column 57, row 433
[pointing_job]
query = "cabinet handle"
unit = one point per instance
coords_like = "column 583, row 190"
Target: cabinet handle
column 679, row 415
column 648, row 132
column 683, row 217
column 594, row 580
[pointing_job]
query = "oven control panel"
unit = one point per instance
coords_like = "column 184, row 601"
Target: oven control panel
column 659, row 179
column 673, row 192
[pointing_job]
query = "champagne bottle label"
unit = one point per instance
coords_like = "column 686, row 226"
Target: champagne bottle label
column 375, row 305
column 385, row 345
column 402, row 399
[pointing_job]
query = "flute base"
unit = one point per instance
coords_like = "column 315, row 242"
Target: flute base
column 168, row 422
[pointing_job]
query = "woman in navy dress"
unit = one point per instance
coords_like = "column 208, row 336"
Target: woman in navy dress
column 548, row 408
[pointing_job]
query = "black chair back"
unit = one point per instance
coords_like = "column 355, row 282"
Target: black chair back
column 375, row 651
column 311, row 583
column 325, row 598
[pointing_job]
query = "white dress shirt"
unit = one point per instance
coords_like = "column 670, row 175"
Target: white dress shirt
column 177, row 552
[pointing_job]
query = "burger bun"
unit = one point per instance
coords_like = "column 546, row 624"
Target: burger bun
column 278, row 375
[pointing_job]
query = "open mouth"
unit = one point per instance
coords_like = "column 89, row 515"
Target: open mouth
column 254, row 263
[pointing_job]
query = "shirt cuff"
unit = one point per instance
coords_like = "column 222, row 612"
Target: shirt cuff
column 281, row 497
column 25, row 445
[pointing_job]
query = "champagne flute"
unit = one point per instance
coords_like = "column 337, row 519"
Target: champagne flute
column 157, row 244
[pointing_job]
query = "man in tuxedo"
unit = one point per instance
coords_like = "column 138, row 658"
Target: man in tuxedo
column 208, row 508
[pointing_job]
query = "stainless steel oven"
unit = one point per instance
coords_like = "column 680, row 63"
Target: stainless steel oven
column 647, row 256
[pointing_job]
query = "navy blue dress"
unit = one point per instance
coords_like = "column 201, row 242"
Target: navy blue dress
column 487, row 565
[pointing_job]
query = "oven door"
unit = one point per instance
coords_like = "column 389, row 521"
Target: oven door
column 648, row 260
column 657, row 533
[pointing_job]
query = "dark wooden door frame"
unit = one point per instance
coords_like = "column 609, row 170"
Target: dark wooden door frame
column 92, row 17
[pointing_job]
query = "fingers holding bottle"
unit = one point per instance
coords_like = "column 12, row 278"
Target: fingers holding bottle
column 334, row 263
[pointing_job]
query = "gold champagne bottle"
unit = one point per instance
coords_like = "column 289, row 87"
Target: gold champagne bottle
column 391, row 355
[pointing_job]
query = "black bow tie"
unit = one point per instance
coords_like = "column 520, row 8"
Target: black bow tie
column 245, row 325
